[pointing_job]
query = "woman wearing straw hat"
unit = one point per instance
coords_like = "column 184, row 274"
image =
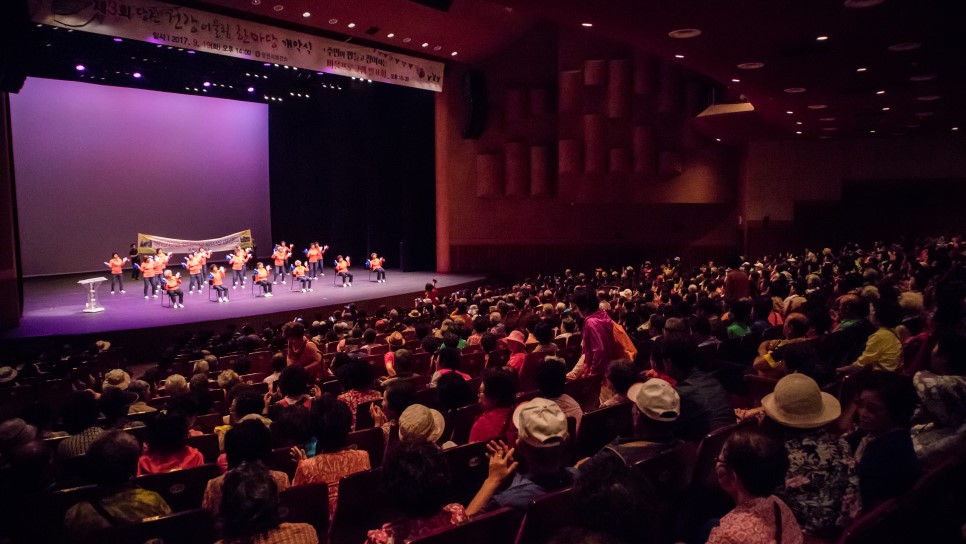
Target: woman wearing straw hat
column 821, row 485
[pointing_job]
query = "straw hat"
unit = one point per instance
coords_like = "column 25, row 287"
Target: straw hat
column 799, row 403
column 7, row 374
column 116, row 378
column 396, row 339
column 421, row 423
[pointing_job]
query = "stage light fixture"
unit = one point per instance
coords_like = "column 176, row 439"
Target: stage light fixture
column 351, row 25
column 251, row 89
column 207, row 84
column 390, row 35
column 118, row 40
column 454, row 53
column 80, row 67
column 136, row 75
column 306, row 15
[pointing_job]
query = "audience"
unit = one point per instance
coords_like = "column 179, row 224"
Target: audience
column 939, row 424
column 418, row 423
column 449, row 361
column 552, row 382
column 250, row 511
column 705, row 405
column 246, row 442
column 398, row 395
column 167, row 449
column 497, row 396
column 79, row 416
column 356, row 378
column 883, row 350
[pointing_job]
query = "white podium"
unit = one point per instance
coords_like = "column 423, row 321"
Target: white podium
column 92, row 285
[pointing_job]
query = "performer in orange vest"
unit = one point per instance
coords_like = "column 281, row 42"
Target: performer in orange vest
column 115, row 264
column 299, row 272
column 148, row 271
column 375, row 264
column 217, row 279
column 261, row 278
column 196, row 266
column 281, row 254
column 238, row 261
column 314, row 255
column 172, row 286
column 342, row 269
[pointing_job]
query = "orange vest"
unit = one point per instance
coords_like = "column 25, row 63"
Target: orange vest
column 237, row 263
column 149, row 269
column 299, row 271
column 116, row 264
column 195, row 265
column 261, row 274
column 342, row 266
column 280, row 255
column 217, row 276
column 376, row 263
column 171, row 283
column 314, row 255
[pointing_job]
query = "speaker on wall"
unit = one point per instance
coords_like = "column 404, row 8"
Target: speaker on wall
column 474, row 93
column 441, row 5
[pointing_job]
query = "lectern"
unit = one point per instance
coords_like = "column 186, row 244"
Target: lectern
column 92, row 284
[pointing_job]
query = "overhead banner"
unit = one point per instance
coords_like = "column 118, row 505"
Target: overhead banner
column 148, row 243
column 189, row 28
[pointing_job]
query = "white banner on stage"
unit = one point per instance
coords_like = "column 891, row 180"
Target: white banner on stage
column 148, row 243
column 194, row 29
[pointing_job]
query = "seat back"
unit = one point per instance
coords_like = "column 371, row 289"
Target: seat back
column 371, row 441
column 281, row 460
column 206, row 423
column 306, row 504
column 427, row 397
column 496, row 527
column 473, row 363
column 261, row 361
column 708, row 450
column 363, row 417
column 469, row 466
column 50, row 515
column 421, row 363
column 586, row 391
column 498, row 358
column 758, row 387
column 181, row 489
column 463, row 421
column 527, row 379
column 207, row 444
column 363, row 505
column 600, row 426
column 877, row 526
column 189, row 527
column 545, row 516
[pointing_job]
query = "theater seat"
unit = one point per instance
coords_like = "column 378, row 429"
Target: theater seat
column 306, row 504
column 181, row 489
column 363, row 505
column 546, row 516
column 586, row 391
column 371, row 441
column 600, row 426
column 189, row 527
column 207, row 444
column 281, row 460
column 469, row 466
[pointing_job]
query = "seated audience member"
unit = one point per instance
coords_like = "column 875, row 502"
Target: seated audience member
column 939, row 424
column 14, row 433
column 621, row 375
column 201, row 366
column 198, row 391
column 116, row 378
column 449, row 361
column 767, row 363
column 803, row 358
column 278, row 365
column 398, row 396
column 332, row 425
column 396, row 342
column 540, row 453
column 356, row 378
column 883, row 350
column 113, row 462
column 480, row 325
column 516, row 341
column 497, row 397
column 143, row 390
column 614, row 502
column 245, row 442
column 167, row 449
column 249, row 510
column 543, row 332
column 114, row 404
column 659, row 366
column 453, row 392
column 705, row 405
column 568, row 326
column 418, row 480
column 882, row 446
column 79, row 416
column 401, row 367
column 750, row 467
column 419, row 423
column 228, row 379
column 293, row 385
column 740, row 318
column 911, row 304
column 296, row 427
column 552, row 382
column 821, row 486
column 701, row 332
column 187, row 406
column 656, row 410
column 175, row 385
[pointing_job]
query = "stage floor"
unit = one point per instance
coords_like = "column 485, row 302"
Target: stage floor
column 54, row 306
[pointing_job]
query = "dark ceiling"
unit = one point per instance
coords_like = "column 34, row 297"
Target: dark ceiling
column 839, row 79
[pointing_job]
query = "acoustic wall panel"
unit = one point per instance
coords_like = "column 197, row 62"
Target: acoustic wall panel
column 489, row 175
column 645, row 151
column 571, row 91
column 517, row 155
column 539, row 103
column 568, row 157
column 645, row 74
column 620, row 160
column 618, row 88
column 595, row 143
column 595, row 72
column 539, row 174
column 515, row 104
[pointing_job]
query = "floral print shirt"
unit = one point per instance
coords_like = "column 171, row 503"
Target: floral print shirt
column 353, row 398
column 399, row 532
column 821, row 485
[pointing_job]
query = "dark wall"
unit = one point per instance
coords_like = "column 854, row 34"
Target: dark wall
column 355, row 169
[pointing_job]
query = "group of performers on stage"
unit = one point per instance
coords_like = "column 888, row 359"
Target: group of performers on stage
column 153, row 269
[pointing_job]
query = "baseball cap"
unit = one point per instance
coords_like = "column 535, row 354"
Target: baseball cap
column 656, row 399
column 540, row 420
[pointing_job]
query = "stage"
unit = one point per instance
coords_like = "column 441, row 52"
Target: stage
column 53, row 306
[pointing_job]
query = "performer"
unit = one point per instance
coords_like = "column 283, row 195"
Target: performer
column 196, row 268
column 342, row 269
column 148, row 271
column 431, row 292
column 172, row 286
column 261, row 278
column 302, row 351
column 132, row 256
column 217, row 279
column 375, row 264
column 299, row 273
column 238, row 261
column 203, row 256
column 281, row 254
column 314, row 255
column 161, row 258
column 115, row 264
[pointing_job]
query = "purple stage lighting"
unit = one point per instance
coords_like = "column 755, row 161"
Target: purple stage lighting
column 267, row 64
column 80, row 67
column 190, row 52
column 118, row 40
column 207, row 84
column 137, row 75
column 251, row 89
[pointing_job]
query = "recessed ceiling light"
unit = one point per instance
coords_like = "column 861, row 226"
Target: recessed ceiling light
column 587, row 25
column 454, row 53
column 817, row 106
column 880, row 92
column 871, row 132
column 789, row 112
column 751, row 65
column 684, row 33
column 351, row 25
column 425, row 44
column 798, row 122
column 904, row 46
column 256, row 2
column 924, row 114
column 333, row 21
column 735, row 80
column 390, row 35
column 278, row 7
column 858, row 4
column 719, row 139
column 795, row 90
column 679, row 56
column 798, row 132
column 826, row 119
column 821, row 38
column 136, row 75
column 80, row 67
column 861, row 69
column 928, row 98
column 407, row 40
column 306, row 14
column 954, row 129
column 887, row 108
column 437, row 48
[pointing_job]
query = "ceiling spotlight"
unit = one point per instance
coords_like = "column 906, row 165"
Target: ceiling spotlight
column 278, row 7
column 830, row 129
column 190, row 52
column 118, row 40
column 437, row 48
column 256, row 2
column 795, row 90
column 861, row 69
column 923, row 114
column 679, row 56
column 390, row 35
column 886, row 108
column 859, row 4
column 80, row 67
column 789, row 112
column 798, row 122
column 826, row 119
column 425, row 44
column 821, row 38
column 251, row 89
column 923, row 77
column 817, row 106
column 306, row 14
column 453, row 53
column 684, row 33
column 751, row 65
column 333, row 21
column 954, row 129
column 717, row 139
column 904, row 46
column 370, row 81
column 207, row 84
column 798, row 132
column 880, row 92
column 407, row 40
column 351, row 25
column 735, row 80
column 136, row 75
column 871, row 132
column 586, row 25
column 928, row 98
column 266, row 64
